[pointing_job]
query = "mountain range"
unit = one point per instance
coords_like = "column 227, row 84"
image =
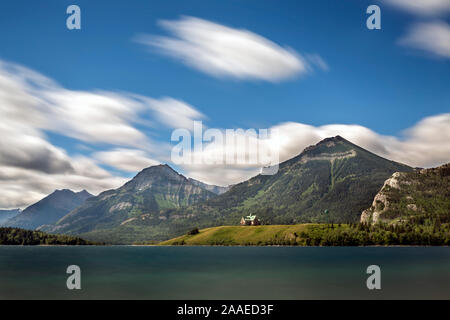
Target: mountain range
column 332, row 181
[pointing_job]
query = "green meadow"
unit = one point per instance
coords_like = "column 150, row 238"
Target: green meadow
column 246, row 235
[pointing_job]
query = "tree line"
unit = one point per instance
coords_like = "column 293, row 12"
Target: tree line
column 17, row 236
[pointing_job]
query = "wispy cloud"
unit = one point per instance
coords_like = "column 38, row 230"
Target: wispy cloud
column 431, row 34
column 131, row 160
column 223, row 51
column 431, row 37
column 30, row 99
column 174, row 113
column 32, row 105
column 422, row 7
column 31, row 166
column 423, row 145
column 20, row 187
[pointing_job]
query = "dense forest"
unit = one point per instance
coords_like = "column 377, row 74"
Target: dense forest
column 16, row 236
column 360, row 234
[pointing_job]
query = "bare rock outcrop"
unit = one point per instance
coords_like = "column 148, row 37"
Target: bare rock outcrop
column 380, row 203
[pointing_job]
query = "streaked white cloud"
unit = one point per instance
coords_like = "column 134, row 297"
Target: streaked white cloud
column 174, row 113
column 316, row 60
column 20, row 187
column 31, row 167
column 95, row 117
column 223, row 51
column 30, row 99
column 421, row 7
column 423, row 145
column 432, row 37
column 25, row 147
column 431, row 34
column 131, row 160
column 31, row 105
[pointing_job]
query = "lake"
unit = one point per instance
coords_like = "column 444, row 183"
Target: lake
column 139, row 272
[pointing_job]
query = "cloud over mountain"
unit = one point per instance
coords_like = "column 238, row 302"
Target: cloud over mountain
column 32, row 106
column 117, row 128
column 131, row 160
column 423, row 145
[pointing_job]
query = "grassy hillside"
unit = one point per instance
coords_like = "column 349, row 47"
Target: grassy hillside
column 316, row 235
column 241, row 235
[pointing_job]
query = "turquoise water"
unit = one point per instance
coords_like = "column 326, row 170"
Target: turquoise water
column 127, row 272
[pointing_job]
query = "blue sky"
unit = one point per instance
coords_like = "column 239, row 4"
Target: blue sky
column 372, row 78
column 369, row 74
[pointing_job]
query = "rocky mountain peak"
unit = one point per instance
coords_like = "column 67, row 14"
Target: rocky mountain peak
column 159, row 169
column 326, row 149
column 62, row 191
column 327, row 143
column 84, row 194
column 158, row 174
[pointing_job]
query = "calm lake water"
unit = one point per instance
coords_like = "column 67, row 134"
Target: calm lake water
column 127, row 272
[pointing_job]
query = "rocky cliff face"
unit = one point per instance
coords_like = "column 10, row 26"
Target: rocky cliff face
column 209, row 187
column 409, row 196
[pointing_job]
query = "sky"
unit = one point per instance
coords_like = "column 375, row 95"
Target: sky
column 89, row 108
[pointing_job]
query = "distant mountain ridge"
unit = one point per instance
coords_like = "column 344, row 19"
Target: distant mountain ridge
column 48, row 210
column 5, row 215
